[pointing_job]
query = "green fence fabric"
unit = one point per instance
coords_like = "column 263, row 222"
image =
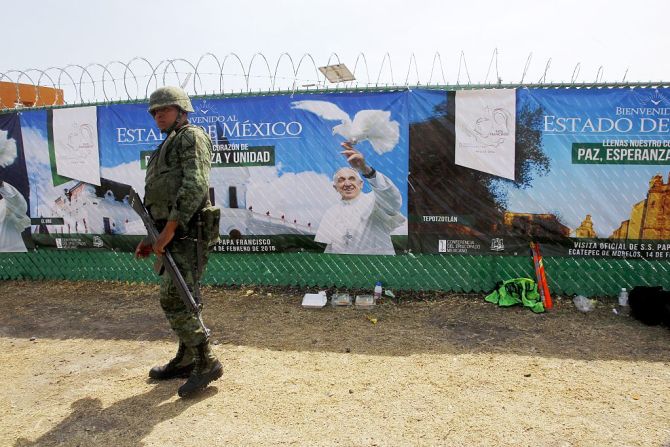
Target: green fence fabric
column 455, row 273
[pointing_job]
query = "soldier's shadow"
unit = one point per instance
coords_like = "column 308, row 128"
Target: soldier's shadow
column 124, row 423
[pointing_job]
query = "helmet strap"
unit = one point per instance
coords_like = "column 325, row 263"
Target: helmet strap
column 176, row 123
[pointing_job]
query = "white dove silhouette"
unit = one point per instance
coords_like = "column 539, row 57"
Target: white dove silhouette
column 372, row 125
column 8, row 151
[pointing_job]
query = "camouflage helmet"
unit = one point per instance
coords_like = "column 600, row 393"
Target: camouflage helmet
column 170, row 96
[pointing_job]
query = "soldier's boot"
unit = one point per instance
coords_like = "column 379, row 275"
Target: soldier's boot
column 180, row 366
column 207, row 369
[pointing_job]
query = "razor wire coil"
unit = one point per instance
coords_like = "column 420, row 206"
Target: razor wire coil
column 119, row 81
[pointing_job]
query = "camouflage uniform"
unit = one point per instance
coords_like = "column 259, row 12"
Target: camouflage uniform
column 176, row 189
column 177, row 186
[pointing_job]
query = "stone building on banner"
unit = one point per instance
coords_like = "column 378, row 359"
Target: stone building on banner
column 585, row 229
column 535, row 225
column 649, row 218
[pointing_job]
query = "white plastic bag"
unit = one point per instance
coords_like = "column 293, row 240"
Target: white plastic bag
column 583, row 304
column 315, row 300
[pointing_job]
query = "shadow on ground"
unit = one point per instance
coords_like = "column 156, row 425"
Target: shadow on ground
column 273, row 319
column 128, row 420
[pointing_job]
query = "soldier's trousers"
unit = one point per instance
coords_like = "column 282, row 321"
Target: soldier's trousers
column 183, row 322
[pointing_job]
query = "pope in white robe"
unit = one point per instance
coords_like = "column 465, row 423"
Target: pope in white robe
column 361, row 223
column 13, row 219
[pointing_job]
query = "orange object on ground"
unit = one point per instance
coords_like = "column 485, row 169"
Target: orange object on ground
column 542, row 286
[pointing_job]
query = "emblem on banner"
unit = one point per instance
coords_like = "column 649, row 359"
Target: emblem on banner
column 205, row 107
column 497, row 244
column 442, row 246
column 490, row 128
column 80, row 139
column 650, row 99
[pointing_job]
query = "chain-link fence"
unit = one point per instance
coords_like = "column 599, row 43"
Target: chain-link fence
column 457, row 273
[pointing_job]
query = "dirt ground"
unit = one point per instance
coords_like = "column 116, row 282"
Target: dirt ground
column 447, row 370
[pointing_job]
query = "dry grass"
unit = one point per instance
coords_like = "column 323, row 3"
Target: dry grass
column 448, row 371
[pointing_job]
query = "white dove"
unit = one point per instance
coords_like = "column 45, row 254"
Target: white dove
column 372, row 125
column 7, row 149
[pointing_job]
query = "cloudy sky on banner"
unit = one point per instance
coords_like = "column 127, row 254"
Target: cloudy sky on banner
column 617, row 34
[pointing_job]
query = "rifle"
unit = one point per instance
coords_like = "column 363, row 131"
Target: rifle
column 168, row 261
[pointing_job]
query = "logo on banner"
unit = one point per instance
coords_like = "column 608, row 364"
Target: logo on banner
column 97, row 242
column 442, row 246
column 650, row 98
column 206, row 107
column 497, row 244
column 489, row 129
column 486, row 131
column 80, row 141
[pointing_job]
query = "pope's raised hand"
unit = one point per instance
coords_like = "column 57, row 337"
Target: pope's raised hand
column 355, row 159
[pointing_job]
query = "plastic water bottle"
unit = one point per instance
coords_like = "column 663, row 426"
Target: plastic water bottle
column 623, row 297
column 378, row 290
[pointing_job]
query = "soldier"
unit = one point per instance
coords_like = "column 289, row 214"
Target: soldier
column 176, row 188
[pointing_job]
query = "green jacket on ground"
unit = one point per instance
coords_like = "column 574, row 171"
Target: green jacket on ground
column 517, row 291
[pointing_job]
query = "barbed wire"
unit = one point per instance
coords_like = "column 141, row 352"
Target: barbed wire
column 119, row 81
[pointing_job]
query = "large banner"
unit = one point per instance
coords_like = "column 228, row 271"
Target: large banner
column 275, row 171
column 582, row 171
column 590, row 175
